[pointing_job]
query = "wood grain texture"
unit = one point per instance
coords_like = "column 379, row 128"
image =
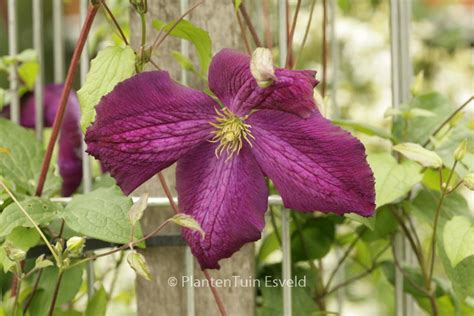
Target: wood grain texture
column 157, row 297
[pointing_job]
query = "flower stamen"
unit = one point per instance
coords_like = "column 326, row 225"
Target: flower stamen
column 229, row 132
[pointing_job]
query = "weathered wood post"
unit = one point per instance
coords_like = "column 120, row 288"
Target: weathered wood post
column 157, row 297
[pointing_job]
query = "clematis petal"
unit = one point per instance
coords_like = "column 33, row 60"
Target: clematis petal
column 231, row 81
column 227, row 198
column 315, row 165
column 145, row 124
column 70, row 139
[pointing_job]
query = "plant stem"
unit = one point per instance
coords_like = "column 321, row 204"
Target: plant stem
column 444, row 191
column 18, row 287
column 159, row 39
column 325, row 49
column 374, row 265
column 289, row 56
column 33, row 292
column 167, row 191
column 446, row 121
column 275, row 228
column 91, row 13
column 114, row 21
column 267, row 25
column 55, row 293
column 218, row 300
column 243, row 34
column 343, row 258
column 40, row 232
column 306, row 32
column 249, row 24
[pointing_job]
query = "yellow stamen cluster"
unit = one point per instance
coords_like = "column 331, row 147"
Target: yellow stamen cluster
column 230, row 129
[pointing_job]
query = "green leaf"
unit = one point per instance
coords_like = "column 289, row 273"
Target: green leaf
column 369, row 222
column 97, row 306
column 101, row 214
column 24, row 238
column 392, row 179
column 425, row 203
column 196, row 35
column 28, row 72
column 136, row 211
column 318, row 236
column 42, row 211
column 111, row 66
column 69, row 287
column 22, row 164
column 138, row 263
column 464, row 130
column 462, row 275
column 417, row 153
column 421, row 127
column 385, row 225
column 269, row 244
column 183, row 61
column 458, row 239
column 363, row 128
column 188, row 221
column 3, row 94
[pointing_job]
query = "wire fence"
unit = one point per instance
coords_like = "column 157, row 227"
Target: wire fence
column 401, row 74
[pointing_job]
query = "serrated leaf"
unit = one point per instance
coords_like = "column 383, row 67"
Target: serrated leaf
column 23, row 163
column 196, row 35
column 417, row 153
column 111, row 66
column 136, row 211
column 458, row 239
column 42, row 211
column 392, row 179
column 101, row 214
column 187, row 221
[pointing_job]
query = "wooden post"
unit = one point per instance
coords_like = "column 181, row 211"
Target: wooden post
column 157, row 297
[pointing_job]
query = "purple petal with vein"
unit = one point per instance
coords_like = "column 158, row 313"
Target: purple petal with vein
column 70, row 139
column 227, row 198
column 231, row 81
column 145, row 124
column 315, row 165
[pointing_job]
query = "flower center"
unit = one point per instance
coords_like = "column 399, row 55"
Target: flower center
column 229, row 132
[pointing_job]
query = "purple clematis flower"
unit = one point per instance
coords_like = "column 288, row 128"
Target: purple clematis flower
column 70, row 139
column 148, row 122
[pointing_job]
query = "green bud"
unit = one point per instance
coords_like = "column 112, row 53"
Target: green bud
column 460, row 151
column 140, row 5
column 41, row 262
column 138, row 263
column 75, row 245
column 13, row 253
column 468, row 181
column 59, row 248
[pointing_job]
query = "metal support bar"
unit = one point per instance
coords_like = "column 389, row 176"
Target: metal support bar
column 58, row 43
column 37, row 6
column 13, row 51
column 285, row 222
column 400, row 16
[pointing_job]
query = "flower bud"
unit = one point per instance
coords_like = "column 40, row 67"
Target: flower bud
column 468, row 181
column 138, row 263
column 59, row 248
column 460, row 151
column 261, row 67
column 75, row 245
column 13, row 253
